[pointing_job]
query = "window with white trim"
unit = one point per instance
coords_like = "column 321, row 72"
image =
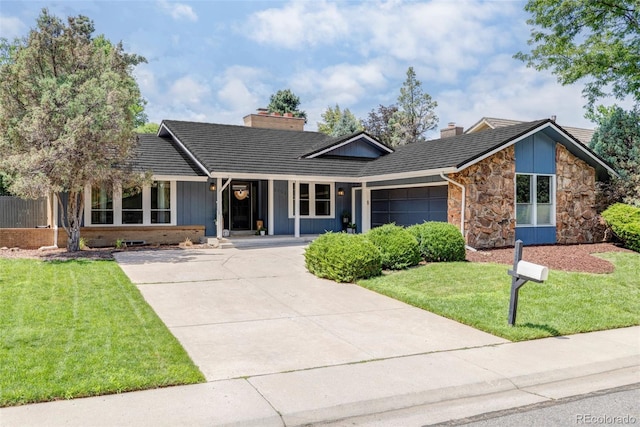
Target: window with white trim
column 161, row 202
column 535, row 200
column 101, row 205
column 317, row 200
column 132, row 210
column 146, row 205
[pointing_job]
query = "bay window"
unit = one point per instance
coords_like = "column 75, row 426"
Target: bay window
column 535, row 200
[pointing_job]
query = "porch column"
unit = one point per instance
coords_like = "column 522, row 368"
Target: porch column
column 270, row 208
column 366, row 208
column 219, row 219
column 296, row 202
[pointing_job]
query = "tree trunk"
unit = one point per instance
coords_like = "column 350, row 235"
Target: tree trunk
column 72, row 218
column 73, row 242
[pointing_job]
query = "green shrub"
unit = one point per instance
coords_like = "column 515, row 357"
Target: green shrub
column 398, row 248
column 439, row 241
column 624, row 221
column 343, row 257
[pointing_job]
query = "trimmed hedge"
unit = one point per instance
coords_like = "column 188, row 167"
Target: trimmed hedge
column 439, row 241
column 343, row 257
column 624, row 221
column 398, row 248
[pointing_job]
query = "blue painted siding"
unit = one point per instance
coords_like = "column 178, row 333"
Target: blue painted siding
column 541, row 235
column 196, row 205
column 536, row 154
column 359, row 148
column 285, row 225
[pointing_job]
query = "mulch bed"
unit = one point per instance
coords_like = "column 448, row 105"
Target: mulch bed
column 556, row 257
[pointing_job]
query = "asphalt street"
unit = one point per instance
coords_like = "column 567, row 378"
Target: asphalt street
column 615, row 407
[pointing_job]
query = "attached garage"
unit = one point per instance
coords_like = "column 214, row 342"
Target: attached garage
column 408, row 206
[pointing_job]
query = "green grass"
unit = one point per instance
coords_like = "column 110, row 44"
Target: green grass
column 478, row 295
column 80, row 328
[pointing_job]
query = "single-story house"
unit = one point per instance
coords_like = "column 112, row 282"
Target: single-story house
column 498, row 182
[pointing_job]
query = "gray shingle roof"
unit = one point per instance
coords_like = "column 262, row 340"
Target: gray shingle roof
column 244, row 150
column 163, row 157
column 581, row 134
column 446, row 152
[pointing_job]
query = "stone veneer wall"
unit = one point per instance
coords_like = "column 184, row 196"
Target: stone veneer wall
column 576, row 216
column 490, row 209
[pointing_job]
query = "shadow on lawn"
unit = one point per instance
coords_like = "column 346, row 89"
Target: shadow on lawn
column 552, row 331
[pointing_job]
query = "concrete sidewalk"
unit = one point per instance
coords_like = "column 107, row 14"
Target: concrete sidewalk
column 280, row 347
column 413, row 390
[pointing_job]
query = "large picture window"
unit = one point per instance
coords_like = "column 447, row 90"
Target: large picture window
column 132, row 212
column 316, row 200
column 101, row 205
column 147, row 205
column 161, row 202
column 535, row 200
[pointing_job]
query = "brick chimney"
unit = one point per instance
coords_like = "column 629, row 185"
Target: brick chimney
column 451, row 130
column 266, row 120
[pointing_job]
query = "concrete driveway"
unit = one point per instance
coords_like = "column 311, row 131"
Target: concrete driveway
column 248, row 312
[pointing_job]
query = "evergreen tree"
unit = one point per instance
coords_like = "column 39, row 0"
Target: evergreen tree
column 68, row 107
column 415, row 115
column 338, row 123
column 285, row 101
column 617, row 140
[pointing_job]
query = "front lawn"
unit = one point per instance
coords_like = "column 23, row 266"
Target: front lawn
column 80, row 328
column 478, row 295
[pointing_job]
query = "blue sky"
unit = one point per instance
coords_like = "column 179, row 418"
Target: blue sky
column 217, row 61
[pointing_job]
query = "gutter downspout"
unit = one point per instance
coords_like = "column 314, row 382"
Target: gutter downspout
column 462, row 207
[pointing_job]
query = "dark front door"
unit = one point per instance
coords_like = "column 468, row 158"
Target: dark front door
column 241, row 203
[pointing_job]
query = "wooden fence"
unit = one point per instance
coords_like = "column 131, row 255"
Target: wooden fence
column 20, row 213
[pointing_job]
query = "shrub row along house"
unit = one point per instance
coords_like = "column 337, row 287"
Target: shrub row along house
column 499, row 181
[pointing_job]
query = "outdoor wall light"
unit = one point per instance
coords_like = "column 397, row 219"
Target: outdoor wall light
column 212, row 186
column 340, row 191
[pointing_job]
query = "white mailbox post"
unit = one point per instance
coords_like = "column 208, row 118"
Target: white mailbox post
column 522, row 272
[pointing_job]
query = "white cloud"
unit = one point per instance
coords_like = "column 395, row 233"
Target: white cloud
column 178, row 11
column 186, row 90
column 508, row 89
column 298, row 24
column 344, row 84
column 242, row 89
column 11, row 27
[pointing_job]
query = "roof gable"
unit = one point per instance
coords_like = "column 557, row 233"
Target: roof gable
column 581, row 134
column 358, row 145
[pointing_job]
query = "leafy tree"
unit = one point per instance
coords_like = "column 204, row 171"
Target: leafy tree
column 338, row 123
column 68, row 105
column 285, row 101
column 617, row 140
column 148, row 128
column 377, row 123
column 596, row 40
column 415, row 115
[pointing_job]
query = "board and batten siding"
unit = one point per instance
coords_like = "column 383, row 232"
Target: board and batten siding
column 536, row 154
column 196, row 205
column 285, row 225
